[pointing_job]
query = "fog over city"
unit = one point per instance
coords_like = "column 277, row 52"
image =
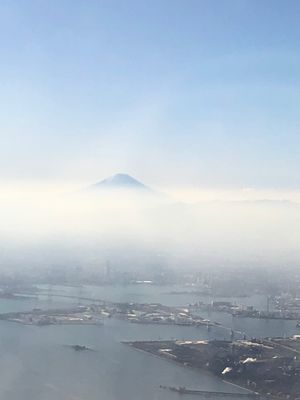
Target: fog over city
column 246, row 225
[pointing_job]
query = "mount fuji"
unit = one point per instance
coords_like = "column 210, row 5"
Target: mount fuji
column 120, row 181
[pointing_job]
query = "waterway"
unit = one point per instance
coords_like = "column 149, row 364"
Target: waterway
column 37, row 364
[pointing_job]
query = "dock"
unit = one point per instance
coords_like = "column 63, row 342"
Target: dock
column 209, row 393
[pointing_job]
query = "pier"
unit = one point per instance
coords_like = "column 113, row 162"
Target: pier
column 209, row 393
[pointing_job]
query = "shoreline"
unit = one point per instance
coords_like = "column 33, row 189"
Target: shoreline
column 205, row 371
column 191, row 368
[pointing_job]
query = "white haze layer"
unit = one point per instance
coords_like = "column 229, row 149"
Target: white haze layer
column 46, row 223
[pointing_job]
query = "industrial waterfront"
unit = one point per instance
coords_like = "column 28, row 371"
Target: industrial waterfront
column 45, row 367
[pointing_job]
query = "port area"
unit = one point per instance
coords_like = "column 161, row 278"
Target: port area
column 81, row 315
column 268, row 367
column 156, row 313
column 95, row 313
column 283, row 312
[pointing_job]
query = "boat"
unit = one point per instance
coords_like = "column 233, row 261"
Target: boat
column 78, row 347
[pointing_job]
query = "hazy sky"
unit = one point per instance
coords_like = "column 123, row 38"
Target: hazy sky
column 202, row 93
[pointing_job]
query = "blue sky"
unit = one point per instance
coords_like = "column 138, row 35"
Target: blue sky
column 199, row 93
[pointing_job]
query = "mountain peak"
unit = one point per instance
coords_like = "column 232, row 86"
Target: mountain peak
column 120, row 181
